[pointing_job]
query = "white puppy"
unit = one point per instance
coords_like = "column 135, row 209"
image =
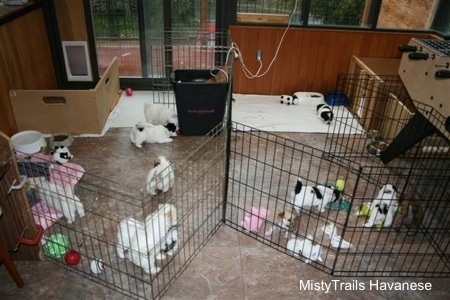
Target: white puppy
column 57, row 197
column 159, row 114
column 383, row 207
column 305, row 248
column 141, row 242
column 160, row 177
column 149, row 133
column 307, row 196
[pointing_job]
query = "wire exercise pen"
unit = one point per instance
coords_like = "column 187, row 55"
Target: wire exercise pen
column 107, row 211
column 264, row 169
column 196, row 195
column 227, row 173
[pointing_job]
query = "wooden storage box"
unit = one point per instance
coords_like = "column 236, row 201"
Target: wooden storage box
column 70, row 111
column 366, row 101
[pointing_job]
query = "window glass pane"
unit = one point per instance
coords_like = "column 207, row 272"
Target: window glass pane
column 442, row 19
column 193, row 14
column 117, row 35
column 267, row 7
column 410, row 14
column 337, row 12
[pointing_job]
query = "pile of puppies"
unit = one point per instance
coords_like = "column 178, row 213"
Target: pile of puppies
column 383, row 211
column 160, row 126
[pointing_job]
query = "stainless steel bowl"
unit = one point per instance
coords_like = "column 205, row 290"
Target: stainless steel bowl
column 377, row 147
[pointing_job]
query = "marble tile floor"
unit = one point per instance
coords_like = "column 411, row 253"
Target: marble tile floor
column 232, row 265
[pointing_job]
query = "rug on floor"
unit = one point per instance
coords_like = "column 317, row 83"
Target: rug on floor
column 261, row 112
column 266, row 113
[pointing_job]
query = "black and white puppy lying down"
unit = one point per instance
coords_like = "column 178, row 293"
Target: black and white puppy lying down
column 325, row 113
column 317, row 195
column 149, row 133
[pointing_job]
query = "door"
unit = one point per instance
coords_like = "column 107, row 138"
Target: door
column 152, row 37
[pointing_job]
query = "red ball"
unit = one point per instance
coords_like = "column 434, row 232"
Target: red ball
column 72, row 258
column 129, row 91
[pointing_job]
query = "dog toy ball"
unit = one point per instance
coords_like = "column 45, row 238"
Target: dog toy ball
column 72, row 258
column 378, row 226
column 57, row 245
column 340, row 185
column 97, row 266
column 129, row 91
column 364, row 210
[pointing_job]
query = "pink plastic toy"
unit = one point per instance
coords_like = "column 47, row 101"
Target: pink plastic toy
column 253, row 219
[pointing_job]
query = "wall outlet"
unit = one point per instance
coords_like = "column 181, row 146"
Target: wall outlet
column 258, row 54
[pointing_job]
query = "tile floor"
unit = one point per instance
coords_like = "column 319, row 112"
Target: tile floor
column 232, row 265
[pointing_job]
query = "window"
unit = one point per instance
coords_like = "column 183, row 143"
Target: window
column 407, row 14
column 442, row 19
column 375, row 14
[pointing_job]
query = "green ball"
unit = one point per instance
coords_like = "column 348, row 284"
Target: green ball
column 340, row 185
column 57, row 245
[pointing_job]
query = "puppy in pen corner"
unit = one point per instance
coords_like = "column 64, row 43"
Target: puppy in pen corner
column 384, row 207
column 143, row 242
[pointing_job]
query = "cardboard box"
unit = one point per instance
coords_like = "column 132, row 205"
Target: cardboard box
column 70, row 111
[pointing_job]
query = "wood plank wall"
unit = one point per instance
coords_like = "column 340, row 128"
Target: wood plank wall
column 25, row 62
column 308, row 59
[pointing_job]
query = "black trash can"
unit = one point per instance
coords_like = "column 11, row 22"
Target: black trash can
column 200, row 105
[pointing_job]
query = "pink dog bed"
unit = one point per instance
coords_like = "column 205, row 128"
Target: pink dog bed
column 66, row 175
column 45, row 215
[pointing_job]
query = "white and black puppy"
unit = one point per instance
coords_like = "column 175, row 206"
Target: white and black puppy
column 149, row 133
column 160, row 114
column 61, row 154
column 383, row 207
column 287, row 221
column 160, row 177
column 308, row 196
column 142, row 242
column 325, row 113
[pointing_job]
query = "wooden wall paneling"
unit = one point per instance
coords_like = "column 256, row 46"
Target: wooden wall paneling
column 320, row 55
column 304, row 55
column 71, row 20
column 293, row 68
column 275, row 78
column 26, row 63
